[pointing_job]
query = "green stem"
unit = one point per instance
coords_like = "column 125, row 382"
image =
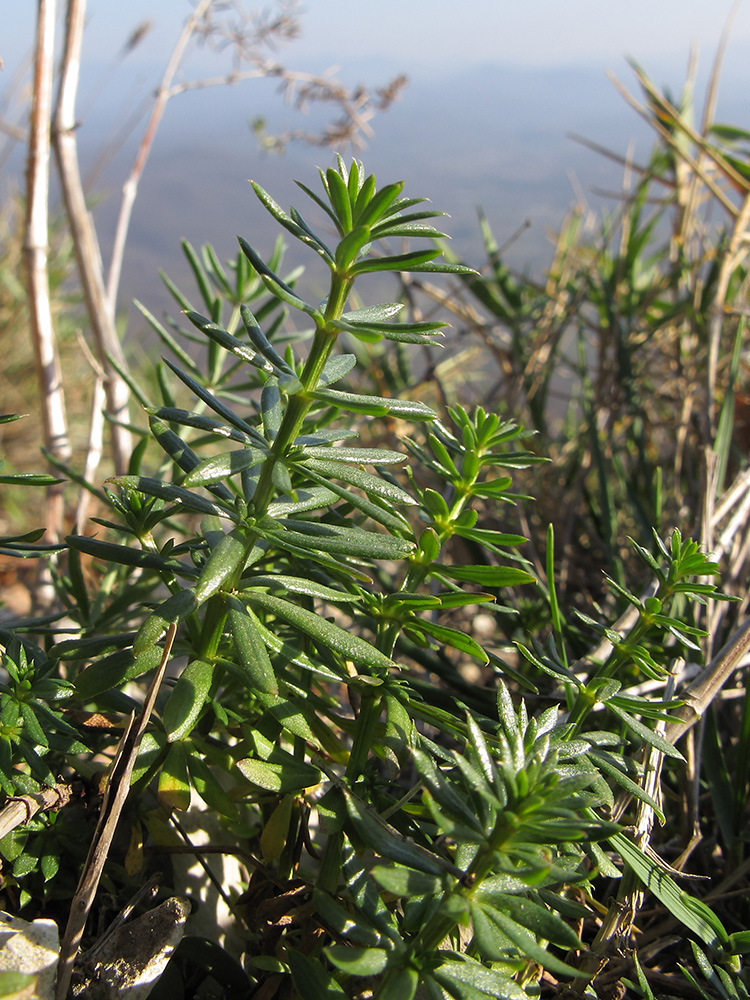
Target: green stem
column 418, row 570
column 440, row 925
column 298, row 406
column 617, row 658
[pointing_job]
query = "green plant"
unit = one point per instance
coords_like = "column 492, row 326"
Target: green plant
column 628, row 359
column 401, row 831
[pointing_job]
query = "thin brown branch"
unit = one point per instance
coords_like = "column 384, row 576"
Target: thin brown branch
column 88, row 256
column 730, row 260
column 669, row 138
column 130, row 188
column 712, row 93
column 35, row 251
column 707, row 685
column 115, row 796
column 623, row 161
column 21, row 809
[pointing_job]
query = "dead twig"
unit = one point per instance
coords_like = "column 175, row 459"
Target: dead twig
column 35, row 252
column 100, row 308
column 114, row 799
column 130, row 189
column 20, row 809
column 701, row 692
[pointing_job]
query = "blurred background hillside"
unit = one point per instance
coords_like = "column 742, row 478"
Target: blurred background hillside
column 496, row 90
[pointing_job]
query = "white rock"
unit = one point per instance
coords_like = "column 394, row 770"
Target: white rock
column 31, row 948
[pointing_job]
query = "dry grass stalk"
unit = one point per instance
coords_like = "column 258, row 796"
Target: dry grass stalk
column 52, row 396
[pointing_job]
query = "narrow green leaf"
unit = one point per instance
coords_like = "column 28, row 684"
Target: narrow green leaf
column 489, row 538
column 228, row 463
column 488, row 576
column 346, row 923
column 279, row 288
column 289, row 653
column 311, row 979
column 358, row 961
column 527, row 943
column 401, row 229
column 173, row 494
column 351, row 247
column 123, row 555
column 408, row 882
column 318, row 200
column 271, row 408
column 539, row 920
column 293, row 715
column 443, row 268
column 691, row 912
column 228, row 342
column 29, row 536
column 281, row 291
column 394, row 522
column 376, row 207
column 182, row 454
column 403, row 984
column 339, row 195
column 459, row 975
column 460, row 599
column 373, row 314
column 375, row 406
column 29, row 479
column 31, row 726
column 303, row 585
column 398, row 219
column 410, row 601
column 450, row 637
column 223, row 566
column 347, row 645
column 358, row 456
column 174, row 609
column 615, row 769
column 209, row 787
column 291, row 776
column 216, row 405
column 210, row 299
column 404, row 337
column 198, row 420
column 91, row 645
column 364, row 196
column 185, row 703
column 309, row 499
column 336, row 368
column 291, row 225
column 646, row 734
column 387, row 842
column 493, row 944
column 415, row 332
column 412, row 261
column 370, row 484
column 261, row 342
column 350, row 541
column 251, row 650
column 114, row 670
column 174, row 783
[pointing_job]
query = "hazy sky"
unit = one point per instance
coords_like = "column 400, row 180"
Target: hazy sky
column 495, row 136
column 433, row 33
column 529, row 32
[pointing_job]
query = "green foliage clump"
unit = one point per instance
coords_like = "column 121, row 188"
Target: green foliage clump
column 411, row 825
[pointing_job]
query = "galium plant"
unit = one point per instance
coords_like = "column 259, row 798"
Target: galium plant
column 400, row 832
